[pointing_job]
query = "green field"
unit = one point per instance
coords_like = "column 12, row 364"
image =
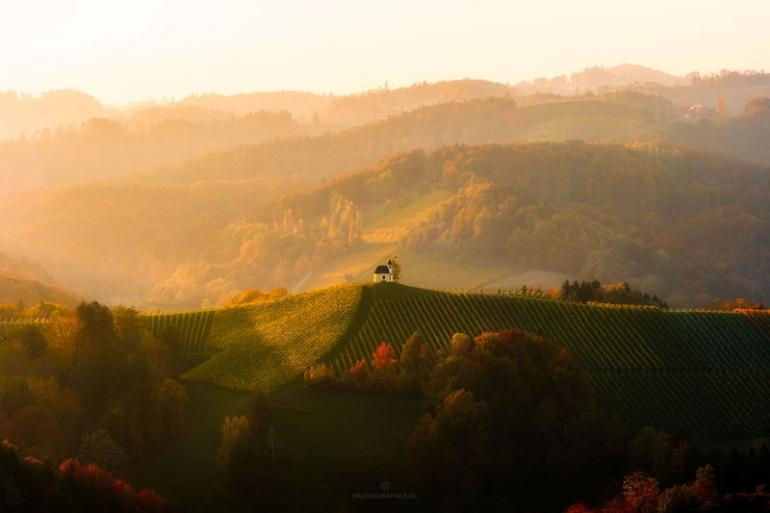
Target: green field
column 705, row 374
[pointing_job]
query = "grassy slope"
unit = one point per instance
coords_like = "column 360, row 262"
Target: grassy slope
column 706, row 374
column 263, row 346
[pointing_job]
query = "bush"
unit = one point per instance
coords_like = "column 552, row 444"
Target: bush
column 100, row 449
column 320, row 375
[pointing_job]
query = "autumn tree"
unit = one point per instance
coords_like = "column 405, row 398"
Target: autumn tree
column 384, row 363
column 14, row 394
column 460, row 345
column 170, row 408
column 415, row 360
column 661, row 455
column 99, row 448
column 128, row 326
column 360, row 375
column 533, row 403
column 34, row 342
column 320, row 375
column 453, row 445
column 396, row 268
column 246, row 454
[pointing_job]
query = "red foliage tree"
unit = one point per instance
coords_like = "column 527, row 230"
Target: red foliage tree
column 384, row 356
column 359, row 374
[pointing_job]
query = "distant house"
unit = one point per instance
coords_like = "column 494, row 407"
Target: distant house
column 383, row 273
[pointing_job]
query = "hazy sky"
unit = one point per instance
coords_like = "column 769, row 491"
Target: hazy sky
column 133, row 50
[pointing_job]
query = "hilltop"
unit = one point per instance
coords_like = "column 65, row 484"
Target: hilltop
column 712, row 368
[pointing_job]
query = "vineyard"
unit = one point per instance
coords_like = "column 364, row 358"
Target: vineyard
column 702, row 373
column 706, row 374
column 265, row 345
column 193, row 326
column 10, row 328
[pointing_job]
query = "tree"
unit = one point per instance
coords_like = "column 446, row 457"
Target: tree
column 95, row 324
column 541, row 427
column 360, row 375
column 460, row 345
column 38, row 432
column 34, row 342
column 396, row 268
column 321, row 375
column 171, row 402
column 384, row 364
column 99, row 448
column 384, row 357
column 14, row 394
column 232, row 434
column 129, row 326
column 246, row 454
column 452, row 445
column 641, row 492
column 415, row 359
column 660, row 455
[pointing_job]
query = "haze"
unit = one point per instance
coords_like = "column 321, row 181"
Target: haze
column 133, row 51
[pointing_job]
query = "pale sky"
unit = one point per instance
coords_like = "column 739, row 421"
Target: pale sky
column 133, row 50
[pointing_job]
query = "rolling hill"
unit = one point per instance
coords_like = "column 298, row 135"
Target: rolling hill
column 613, row 117
column 167, row 215
column 706, row 374
column 15, row 288
column 199, row 231
column 26, row 283
column 112, row 148
column 481, row 216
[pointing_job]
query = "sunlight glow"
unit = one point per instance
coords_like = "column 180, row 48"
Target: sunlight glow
column 128, row 51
